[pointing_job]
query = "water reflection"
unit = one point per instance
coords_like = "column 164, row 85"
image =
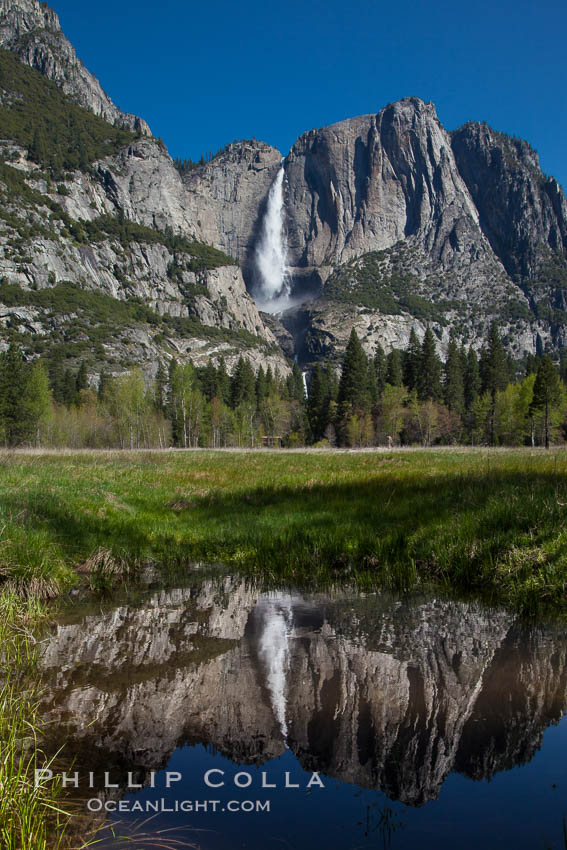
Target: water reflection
column 273, row 615
column 371, row 691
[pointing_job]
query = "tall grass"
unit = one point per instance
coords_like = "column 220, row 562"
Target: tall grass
column 491, row 523
column 30, row 817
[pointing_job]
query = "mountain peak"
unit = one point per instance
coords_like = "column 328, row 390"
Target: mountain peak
column 32, row 31
column 24, row 16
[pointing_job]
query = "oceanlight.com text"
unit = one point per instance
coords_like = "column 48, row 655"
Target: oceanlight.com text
column 194, row 806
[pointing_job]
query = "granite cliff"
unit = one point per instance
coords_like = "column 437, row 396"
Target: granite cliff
column 391, row 223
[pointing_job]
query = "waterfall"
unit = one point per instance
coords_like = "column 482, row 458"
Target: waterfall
column 271, row 252
column 273, row 649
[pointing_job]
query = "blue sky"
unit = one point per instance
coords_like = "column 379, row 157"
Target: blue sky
column 203, row 74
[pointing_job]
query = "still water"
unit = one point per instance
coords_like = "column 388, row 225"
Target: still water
column 429, row 723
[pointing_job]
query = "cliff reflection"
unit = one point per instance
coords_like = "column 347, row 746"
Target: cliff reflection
column 369, row 690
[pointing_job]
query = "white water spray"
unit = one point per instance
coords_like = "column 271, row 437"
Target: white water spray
column 274, row 653
column 271, row 253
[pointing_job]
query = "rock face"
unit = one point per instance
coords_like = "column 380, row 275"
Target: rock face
column 500, row 734
column 464, row 221
column 227, row 196
column 522, row 212
column 32, row 31
column 398, row 184
column 365, row 184
column 387, row 695
column 133, row 184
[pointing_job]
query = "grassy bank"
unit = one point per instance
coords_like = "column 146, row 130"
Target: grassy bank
column 488, row 522
column 30, row 817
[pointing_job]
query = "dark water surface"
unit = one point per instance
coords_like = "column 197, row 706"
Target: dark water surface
column 431, row 723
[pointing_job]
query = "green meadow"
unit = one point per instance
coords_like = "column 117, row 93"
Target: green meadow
column 486, row 522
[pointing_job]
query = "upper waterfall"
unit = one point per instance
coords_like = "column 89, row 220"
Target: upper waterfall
column 271, row 252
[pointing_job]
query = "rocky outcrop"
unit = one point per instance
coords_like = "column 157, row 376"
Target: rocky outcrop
column 524, row 215
column 367, row 183
column 522, row 212
column 321, row 329
column 388, row 185
column 143, row 183
column 285, row 339
column 500, row 733
column 139, row 184
column 32, row 31
column 227, row 196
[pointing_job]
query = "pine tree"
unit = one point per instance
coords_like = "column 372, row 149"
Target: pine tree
column 412, row 362
column 463, row 358
column 209, row 380
column 243, row 383
column 270, row 382
column 511, row 369
column 394, row 374
column 471, row 379
column 14, row 417
column 103, row 384
column 353, row 384
column 294, row 384
column 248, row 383
column 171, row 406
column 318, row 403
column 223, row 381
column 547, row 392
column 56, row 376
column 371, row 384
column 236, row 383
column 494, row 363
column 493, row 372
column 37, row 151
column 380, row 367
column 82, row 379
column 333, row 381
column 261, row 387
column 69, row 388
column 429, row 378
column 321, row 406
column 160, row 386
column 453, row 384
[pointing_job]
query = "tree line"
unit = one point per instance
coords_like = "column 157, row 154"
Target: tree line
column 408, row 397
column 44, row 403
column 412, row 397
